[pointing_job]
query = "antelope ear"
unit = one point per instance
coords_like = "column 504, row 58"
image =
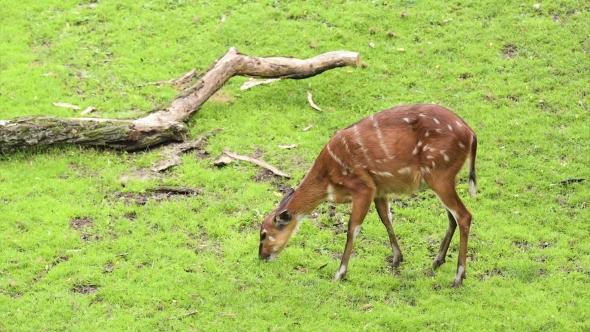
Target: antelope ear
column 283, row 218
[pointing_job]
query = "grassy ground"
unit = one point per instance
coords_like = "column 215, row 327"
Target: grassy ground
column 79, row 250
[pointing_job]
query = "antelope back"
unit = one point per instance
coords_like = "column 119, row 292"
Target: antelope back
column 394, row 150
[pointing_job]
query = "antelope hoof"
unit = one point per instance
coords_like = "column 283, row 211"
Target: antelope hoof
column 340, row 274
column 396, row 261
column 457, row 284
column 437, row 263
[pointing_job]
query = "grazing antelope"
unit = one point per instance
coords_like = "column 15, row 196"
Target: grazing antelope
column 395, row 151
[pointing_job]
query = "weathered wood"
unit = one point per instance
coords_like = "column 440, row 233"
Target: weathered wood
column 165, row 123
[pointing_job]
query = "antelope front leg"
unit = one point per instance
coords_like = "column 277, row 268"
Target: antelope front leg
column 360, row 207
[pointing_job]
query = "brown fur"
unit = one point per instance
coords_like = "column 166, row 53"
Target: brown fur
column 395, row 151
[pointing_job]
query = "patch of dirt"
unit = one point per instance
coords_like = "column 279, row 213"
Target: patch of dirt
column 464, row 76
column 545, row 244
column 89, row 237
column 278, row 182
column 108, row 268
column 81, row 222
column 489, row 274
column 336, row 221
column 524, row 245
column 85, row 290
column 156, row 194
column 131, row 215
column 510, row 51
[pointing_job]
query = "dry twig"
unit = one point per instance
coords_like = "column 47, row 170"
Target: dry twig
column 258, row 162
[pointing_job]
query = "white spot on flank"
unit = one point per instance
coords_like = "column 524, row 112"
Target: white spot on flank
column 462, row 145
column 430, row 157
column 419, row 143
column 271, row 239
column 433, row 164
column 422, row 114
column 459, row 124
column 407, row 120
column 425, row 170
column 382, row 173
column 450, row 128
column 427, row 133
column 438, row 130
column 416, row 149
column 405, row 170
column 436, row 120
column 443, row 152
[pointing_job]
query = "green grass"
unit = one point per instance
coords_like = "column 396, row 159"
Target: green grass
column 518, row 75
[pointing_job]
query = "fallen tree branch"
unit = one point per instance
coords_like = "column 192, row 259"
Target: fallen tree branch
column 165, row 123
column 172, row 153
column 258, row 162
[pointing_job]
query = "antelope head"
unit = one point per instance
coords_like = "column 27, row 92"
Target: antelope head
column 276, row 229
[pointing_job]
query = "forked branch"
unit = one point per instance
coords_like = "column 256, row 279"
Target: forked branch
column 165, row 123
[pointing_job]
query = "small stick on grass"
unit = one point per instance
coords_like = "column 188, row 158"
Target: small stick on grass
column 184, row 78
column 176, row 190
column 311, row 103
column 190, row 313
column 258, row 162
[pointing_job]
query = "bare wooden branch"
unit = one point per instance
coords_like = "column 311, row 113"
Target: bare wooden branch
column 258, row 162
column 172, row 153
column 165, row 123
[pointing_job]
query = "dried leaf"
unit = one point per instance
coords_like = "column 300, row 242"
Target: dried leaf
column 66, row 105
column 88, row 110
column 292, row 146
column 252, row 82
column 372, row 44
column 309, row 96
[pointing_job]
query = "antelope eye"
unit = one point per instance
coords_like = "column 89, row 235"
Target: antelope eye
column 262, row 236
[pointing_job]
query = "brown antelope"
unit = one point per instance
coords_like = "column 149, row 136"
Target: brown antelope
column 395, row 151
